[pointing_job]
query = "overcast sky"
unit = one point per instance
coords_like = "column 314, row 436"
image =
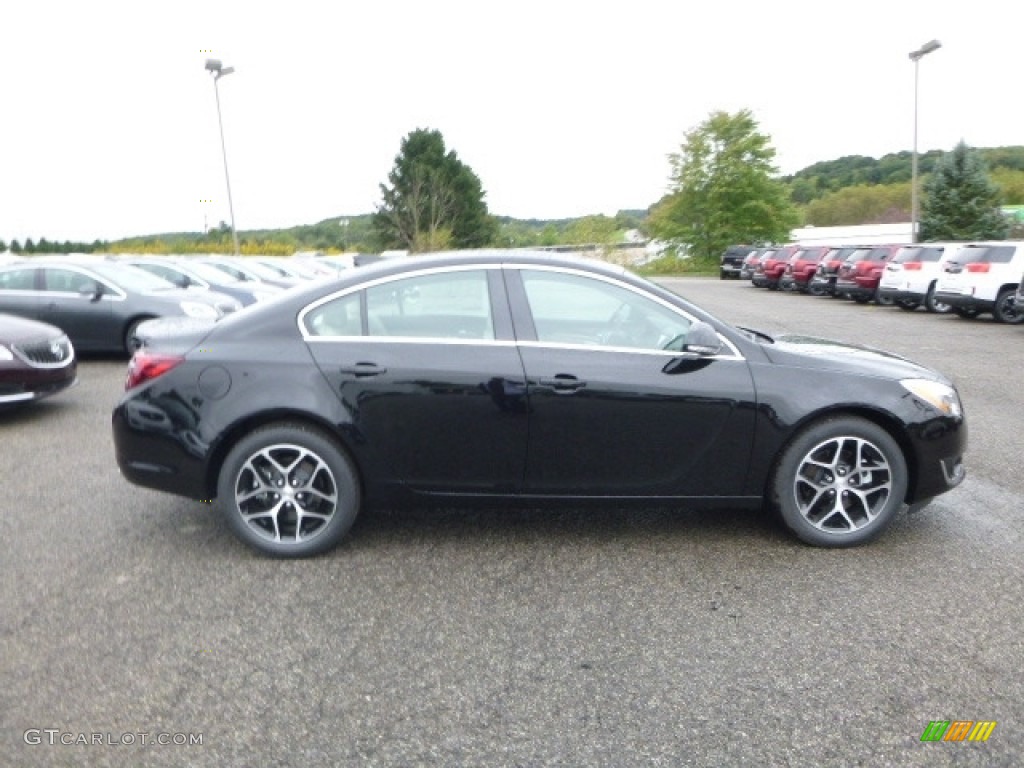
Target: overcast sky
column 108, row 122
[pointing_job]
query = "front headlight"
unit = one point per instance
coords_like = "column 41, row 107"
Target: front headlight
column 942, row 396
column 5, row 354
column 199, row 310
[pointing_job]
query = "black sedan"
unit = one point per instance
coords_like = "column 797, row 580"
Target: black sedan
column 525, row 377
column 36, row 360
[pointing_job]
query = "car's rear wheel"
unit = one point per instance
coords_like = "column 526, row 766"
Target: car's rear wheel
column 907, row 304
column 883, row 301
column 130, row 342
column 933, row 305
column 1006, row 309
column 289, row 490
column 840, row 482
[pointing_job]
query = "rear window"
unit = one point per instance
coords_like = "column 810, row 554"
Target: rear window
column 919, row 254
column 993, row 254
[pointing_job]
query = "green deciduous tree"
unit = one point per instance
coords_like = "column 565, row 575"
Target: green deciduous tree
column 433, row 200
column 960, row 201
column 861, row 204
column 723, row 189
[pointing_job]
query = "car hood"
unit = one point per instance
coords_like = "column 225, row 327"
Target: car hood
column 14, row 329
column 826, row 354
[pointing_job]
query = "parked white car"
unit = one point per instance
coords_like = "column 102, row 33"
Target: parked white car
column 909, row 280
column 983, row 277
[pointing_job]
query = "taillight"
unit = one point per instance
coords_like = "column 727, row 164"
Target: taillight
column 979, row 267
column 912, row 266
column 146, row 367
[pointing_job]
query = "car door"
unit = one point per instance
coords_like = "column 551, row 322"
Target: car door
column 80, row 304
column 614, row 410
column 428, row 370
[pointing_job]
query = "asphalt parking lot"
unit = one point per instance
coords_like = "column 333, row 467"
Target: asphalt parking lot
column 455, row 637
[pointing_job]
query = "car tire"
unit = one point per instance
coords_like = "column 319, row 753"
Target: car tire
column 883, row 301
column 130, row 342
column 933, row 305
column 840, row 482
column 289, row 490
column 1006, row 310
column 967, row 313
column 907, row 304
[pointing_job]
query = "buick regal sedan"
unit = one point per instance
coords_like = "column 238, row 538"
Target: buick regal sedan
column 36, row 360
column 532, row 378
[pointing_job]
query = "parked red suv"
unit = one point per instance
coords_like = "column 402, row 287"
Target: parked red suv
column 861, row 273
column 801, row 268
column 769, row 269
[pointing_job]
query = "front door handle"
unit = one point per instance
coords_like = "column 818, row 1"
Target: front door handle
column 563, row 383
column 363, row 369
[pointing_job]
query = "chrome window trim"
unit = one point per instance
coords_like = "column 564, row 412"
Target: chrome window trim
column 611, row 280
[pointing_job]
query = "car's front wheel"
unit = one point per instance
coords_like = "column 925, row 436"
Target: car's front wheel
column 840, row 482
column 289, row 490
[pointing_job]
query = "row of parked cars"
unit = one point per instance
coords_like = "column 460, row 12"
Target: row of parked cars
column 52, row 306
column 967, row 279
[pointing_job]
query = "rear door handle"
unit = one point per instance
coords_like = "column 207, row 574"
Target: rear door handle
column 563, row 383
column 363, row 369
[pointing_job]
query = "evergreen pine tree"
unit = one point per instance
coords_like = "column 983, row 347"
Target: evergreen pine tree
column 960, row 200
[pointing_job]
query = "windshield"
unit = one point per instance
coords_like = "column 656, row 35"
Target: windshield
column 132, row 278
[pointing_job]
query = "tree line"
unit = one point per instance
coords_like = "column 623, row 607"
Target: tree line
column 724, row 189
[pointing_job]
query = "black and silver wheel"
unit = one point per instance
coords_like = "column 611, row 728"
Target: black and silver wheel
column 840, row 482
column 883, row 301
column 933, row 305
column 907, row 304
column 1006, row 310
column 288, row 490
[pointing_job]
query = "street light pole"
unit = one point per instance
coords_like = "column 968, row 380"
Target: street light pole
column 916, row 56
column 218, row 70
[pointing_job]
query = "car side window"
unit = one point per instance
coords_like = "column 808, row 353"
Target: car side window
column 574, row 309
column 18, row 280
column 67, row 281
column 340, row 317
column 446, row 305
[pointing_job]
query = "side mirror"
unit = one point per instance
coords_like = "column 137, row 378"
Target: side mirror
column 92, row 290
column 702, row 340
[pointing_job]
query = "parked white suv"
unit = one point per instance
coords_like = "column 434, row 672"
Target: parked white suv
column 983, row 277
column 909, row 279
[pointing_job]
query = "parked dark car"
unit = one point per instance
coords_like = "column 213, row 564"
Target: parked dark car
column 750, row 261
column 98, row 303
column 529, row 377
column 36, row 360
column 802, row 267
column 732, row 261
column 861, row 273
column 768, row 270
column 824, row 281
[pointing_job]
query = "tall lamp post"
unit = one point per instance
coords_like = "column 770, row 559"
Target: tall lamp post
column 218, row 70
column 916, row 56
